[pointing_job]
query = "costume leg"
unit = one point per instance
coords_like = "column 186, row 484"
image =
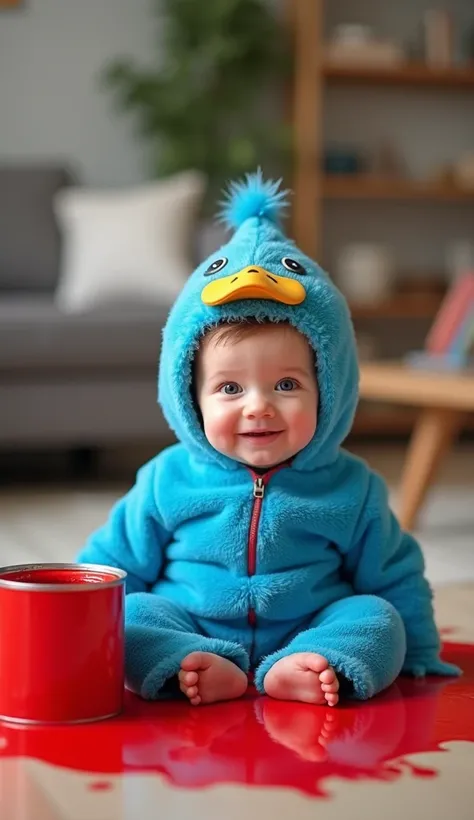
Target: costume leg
column 158, row 635
column 362, row 637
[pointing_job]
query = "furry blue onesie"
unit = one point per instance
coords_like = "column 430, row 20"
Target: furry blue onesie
column 327, row 569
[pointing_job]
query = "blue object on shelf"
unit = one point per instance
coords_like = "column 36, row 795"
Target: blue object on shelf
column 338, row 161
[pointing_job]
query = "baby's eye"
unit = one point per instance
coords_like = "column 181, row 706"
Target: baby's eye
column 231, row 389
column 286, row 385
column 216, row 266
column 292, row 264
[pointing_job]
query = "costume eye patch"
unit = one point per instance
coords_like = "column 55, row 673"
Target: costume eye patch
column 293, row 265
column 216, row 266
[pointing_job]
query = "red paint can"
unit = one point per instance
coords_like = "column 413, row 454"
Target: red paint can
column 61, row 642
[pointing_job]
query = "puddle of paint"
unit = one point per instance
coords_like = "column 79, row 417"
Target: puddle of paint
column 263, row 742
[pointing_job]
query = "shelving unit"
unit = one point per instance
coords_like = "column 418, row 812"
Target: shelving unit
column 400, row 306
column 314, row 74
column 370, row 186
column 406, row 75
column 311, row 75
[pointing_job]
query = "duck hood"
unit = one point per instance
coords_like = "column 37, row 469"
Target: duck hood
column 261, row 273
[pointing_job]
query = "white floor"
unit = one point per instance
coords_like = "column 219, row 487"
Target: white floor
column 51, row 524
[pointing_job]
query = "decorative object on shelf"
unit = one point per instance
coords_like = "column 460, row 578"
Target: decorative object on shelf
column 365, row 273
column 355, row 44
column 353, row 34
column 450, row 341
column 458, row 174
column 199, row 105
column 438, row 38
column 343, row 161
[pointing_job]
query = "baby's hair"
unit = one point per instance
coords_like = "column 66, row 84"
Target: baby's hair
column 234, row 330
column 231, row 331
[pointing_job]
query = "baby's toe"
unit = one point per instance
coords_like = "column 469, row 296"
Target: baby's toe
column 327, row 676
column 191, row 692
column 188, row 678
column 195, row 701
column 331, row 698
column 331, row 687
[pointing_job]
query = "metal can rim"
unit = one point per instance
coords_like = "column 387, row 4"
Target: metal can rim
column 60, row 721
column 80, row 586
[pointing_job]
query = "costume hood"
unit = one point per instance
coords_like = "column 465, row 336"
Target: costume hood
column 261, row 273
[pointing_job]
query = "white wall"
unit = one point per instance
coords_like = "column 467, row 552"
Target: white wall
column 50, row 104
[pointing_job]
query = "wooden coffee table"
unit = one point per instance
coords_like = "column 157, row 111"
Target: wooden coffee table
column 444, row 400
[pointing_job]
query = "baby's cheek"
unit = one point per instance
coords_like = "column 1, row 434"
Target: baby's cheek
column 305, row 423
column 220, row 422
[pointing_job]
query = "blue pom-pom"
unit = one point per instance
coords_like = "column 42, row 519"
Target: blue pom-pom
column 253, row 197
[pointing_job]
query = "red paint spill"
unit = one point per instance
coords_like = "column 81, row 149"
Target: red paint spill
column 100, row 786
column 264, row 742
column 417, row 772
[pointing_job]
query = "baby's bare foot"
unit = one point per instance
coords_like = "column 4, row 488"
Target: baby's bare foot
column 303, row 676
column 205, row 678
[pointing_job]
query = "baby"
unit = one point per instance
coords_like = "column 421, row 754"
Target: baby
column 258, row 397
column 257, row 544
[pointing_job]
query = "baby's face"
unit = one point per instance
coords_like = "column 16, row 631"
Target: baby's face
column 258, row 395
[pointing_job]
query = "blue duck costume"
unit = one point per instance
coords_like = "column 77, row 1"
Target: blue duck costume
column 304, row 558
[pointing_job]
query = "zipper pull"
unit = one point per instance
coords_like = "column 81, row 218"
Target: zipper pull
column 258, row 488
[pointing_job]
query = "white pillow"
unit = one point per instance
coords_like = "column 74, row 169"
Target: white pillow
column 127, row 246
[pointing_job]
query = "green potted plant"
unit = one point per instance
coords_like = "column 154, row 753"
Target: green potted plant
column 200, row 104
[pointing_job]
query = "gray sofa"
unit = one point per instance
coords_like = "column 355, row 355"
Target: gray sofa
column 84, row 381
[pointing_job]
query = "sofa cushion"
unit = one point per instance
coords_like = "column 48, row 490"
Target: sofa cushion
column 34, row 334
column 29, row 235
column 129, row 245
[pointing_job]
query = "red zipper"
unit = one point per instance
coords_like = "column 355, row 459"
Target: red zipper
column 259, row 484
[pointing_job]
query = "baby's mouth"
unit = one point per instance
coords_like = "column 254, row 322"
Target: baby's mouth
column 260, row 433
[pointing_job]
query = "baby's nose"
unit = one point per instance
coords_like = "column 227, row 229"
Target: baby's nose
column 258, row 405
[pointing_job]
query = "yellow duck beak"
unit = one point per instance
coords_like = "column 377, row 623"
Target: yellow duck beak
column 253, row 283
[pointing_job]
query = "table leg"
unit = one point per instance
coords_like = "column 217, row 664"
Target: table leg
column 432, row 437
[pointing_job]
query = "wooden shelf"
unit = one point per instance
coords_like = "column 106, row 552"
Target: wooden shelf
column 400, row 306
column 390, row 420
column 407, row 74
column 386, row 381
column 371, row 186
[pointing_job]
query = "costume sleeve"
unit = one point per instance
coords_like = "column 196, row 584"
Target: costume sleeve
column 133, row 538
column 383, row 560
